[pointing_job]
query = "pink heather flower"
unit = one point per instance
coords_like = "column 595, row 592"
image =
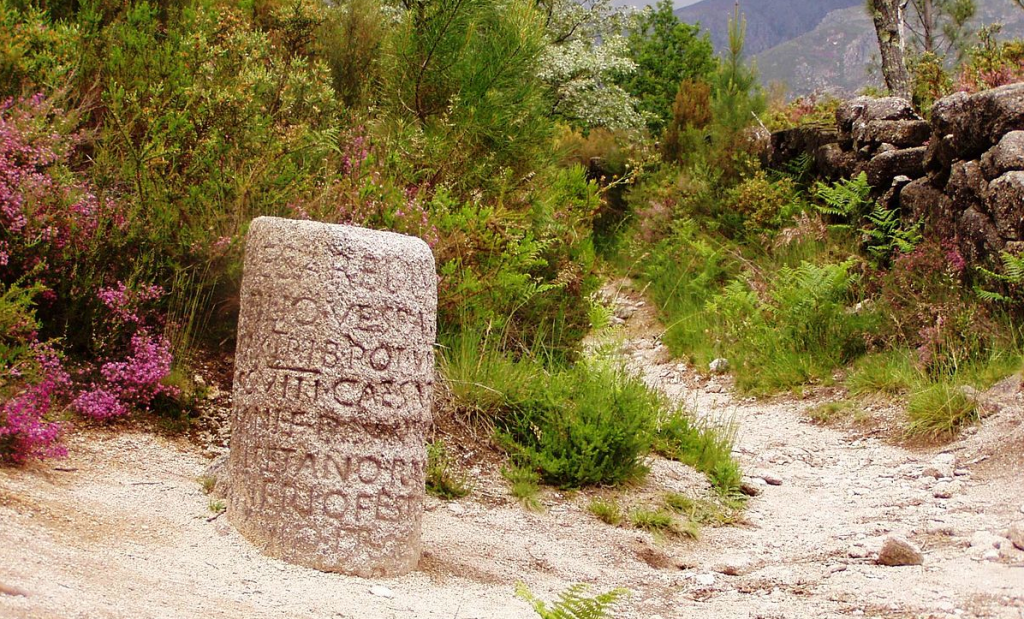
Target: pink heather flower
column 125, row 303
column 138, row 379
column 24, row 426
column 98, row 403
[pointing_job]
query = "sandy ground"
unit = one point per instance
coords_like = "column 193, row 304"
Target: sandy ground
column 122, row 528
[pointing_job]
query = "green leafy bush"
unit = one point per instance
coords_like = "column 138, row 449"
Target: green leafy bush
column 763, row 204
column 586, row 425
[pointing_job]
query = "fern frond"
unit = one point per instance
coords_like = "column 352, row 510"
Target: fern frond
column 990, row 295
column 573, row 603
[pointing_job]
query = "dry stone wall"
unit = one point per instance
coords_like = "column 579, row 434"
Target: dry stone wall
column 333, row 378
column 962, row 172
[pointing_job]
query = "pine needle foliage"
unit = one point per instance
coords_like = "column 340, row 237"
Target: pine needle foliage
column 574, row 603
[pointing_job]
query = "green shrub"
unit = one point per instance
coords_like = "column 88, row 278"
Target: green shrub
column 763, row 204
column 587, row 425
column 800, row 331
column 524, row 485
column 443, row 480
column 685, row 271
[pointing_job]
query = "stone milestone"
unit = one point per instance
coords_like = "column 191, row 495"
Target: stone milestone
column 334, row 372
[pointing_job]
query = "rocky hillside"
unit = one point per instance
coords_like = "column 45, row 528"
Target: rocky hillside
column 822, row 46
column 769, row 22
column 839, row 54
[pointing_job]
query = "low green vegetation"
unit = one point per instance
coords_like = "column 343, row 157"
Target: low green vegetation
column 444, row 480
column 939, row 410
column 524, row 484
column 607, row 511
column 719, row 511
column 574, row 603
column 834, row 412
column 652, row 520
column 703, row 446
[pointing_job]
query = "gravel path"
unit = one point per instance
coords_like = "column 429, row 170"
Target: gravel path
column 122, row 529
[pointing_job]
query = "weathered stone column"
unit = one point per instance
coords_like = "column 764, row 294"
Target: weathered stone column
column 333, row 377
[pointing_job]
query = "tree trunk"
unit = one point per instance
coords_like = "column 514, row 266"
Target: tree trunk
column 888, row 18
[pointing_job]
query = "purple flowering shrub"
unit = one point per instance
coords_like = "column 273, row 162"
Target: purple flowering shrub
column 32, row 382
column 138, row 356
column 57, row 235
column 51, row 223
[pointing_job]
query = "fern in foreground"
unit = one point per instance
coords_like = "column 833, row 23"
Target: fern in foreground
column 573, row 603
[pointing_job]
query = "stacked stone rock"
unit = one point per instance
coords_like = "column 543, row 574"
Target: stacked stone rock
column 962, row 173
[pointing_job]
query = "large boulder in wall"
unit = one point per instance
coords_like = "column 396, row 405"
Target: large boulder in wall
column 1005, row 203
column 888, row 165
column 1006, row 156
column 789, row 144
column 921, row 201
column 984, row 119
column 867, row 109
column 967, row 186
column 833, row 162
column 978, row 238
column 899, row 133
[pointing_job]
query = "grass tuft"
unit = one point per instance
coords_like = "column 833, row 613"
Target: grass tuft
column 890, row 372
column 443, row 481
column 940, row 410
column 524, row 485
column 703, row 446
column 608, row 512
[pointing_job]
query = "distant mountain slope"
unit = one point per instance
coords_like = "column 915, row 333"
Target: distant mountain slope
column 769, row 22
column 837, row 54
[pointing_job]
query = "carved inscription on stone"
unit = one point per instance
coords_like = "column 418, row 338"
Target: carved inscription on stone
column 333, row 380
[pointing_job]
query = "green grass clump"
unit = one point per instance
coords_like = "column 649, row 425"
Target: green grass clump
column 217, row 506
column 891, row 372
column 662, row 522
column 718, row 512
column 524, row 484
column 606, row 511
column 483, row 381
column 831, row 412
column 653, row 520
column 704, row 447
column 208, row 483
column 940, row 410
column 443, row 481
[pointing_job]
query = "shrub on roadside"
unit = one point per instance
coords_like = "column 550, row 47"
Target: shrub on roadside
column 583, row 426
column 33, row 382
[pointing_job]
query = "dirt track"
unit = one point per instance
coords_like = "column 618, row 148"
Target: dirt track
column 122, row 529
